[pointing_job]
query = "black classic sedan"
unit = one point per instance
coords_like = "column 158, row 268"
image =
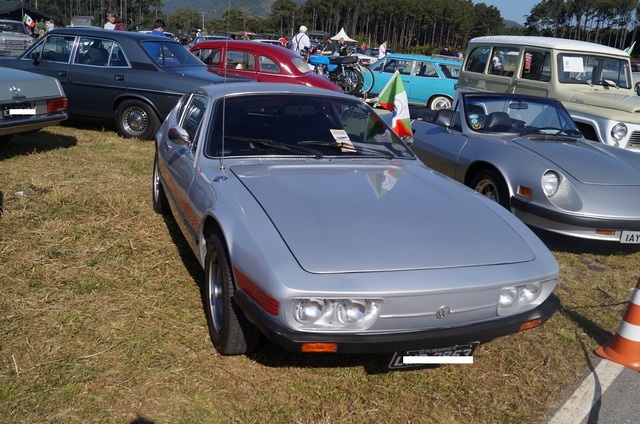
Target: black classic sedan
column 136, row 78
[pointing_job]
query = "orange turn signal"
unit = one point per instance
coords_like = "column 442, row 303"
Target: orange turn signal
column 319, row 347
column 530, row 324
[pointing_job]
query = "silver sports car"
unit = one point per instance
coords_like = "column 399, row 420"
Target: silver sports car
column 527, row 154
column 318, row 227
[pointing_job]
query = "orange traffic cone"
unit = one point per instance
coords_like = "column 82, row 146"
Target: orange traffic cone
column 624, row 348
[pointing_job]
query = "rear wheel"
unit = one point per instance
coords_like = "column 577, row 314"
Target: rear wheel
column 349, row 81
column 367, row 80
column 160, row 202
column 230, row 331
column 439, row 102
column 136, row 119
column 491, row 184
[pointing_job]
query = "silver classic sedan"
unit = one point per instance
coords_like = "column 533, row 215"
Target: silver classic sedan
column 318, row 228
column 527, row 154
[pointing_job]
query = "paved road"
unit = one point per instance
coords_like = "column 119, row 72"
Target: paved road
column 609, row 394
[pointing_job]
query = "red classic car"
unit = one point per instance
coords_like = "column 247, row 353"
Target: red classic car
column 259, row 61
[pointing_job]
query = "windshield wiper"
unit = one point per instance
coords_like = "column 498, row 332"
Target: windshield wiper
column 265, row 142
column 548, row 131
column 348, row 148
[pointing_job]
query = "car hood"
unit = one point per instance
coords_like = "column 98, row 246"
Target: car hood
column 29, row 85
column 587, row 163
column 608, row 99
column 381, row 217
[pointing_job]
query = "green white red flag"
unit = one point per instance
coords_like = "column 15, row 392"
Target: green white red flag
column 27, row 20
column 393, row 98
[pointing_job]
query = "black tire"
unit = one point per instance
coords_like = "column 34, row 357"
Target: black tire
column 350, row 82
column 160, row 202
column 230, row 331
column 491, row 184
column 136, row 119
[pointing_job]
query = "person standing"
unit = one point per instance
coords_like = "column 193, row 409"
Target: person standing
column 111, row 20
column 382, row 50
column 158, row 27
column 301, row 41
column 343, row 49
column 120, row 26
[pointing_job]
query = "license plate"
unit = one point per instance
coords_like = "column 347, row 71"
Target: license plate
column 460, row 354
column 18, row 110
column 630, row 237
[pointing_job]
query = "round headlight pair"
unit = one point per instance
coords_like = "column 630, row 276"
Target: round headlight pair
column 510, row 297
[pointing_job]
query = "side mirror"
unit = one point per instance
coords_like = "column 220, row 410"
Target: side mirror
column 638, row 88
column 36, row 58
column 178, row 135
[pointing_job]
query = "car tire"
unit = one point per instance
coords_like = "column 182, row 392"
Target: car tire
column 160, row 202
column 136, row 119
column 439, row 102
column 230, row 331
column 490, row 184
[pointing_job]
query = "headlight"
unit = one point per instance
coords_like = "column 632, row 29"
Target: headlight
column 351, row 311
column 333, row 314
column 550, row 183
column 619, row 131
column 518, row 297
column 307, row 311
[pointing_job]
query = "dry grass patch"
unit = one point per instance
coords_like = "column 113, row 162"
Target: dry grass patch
column 101, row 317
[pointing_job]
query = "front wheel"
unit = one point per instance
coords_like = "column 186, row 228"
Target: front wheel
column 440, row 102
column 230, row 331
column 491, row 184
column 136, row 119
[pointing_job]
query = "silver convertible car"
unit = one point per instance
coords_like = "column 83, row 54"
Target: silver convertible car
column 527, row 154
column 318, row 227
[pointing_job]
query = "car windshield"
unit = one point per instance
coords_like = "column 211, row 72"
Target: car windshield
column 513, row 114
column 170, row 54
column 18, row 27
column 294, row 124
column 575, row 68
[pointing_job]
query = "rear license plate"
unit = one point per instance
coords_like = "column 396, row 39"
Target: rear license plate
column 630, row 237
column 460, row 354
column 19, row 109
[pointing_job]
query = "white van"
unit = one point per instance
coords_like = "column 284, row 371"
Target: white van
column 594, row 82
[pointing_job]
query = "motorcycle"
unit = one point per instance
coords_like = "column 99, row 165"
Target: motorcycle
column 340, row 70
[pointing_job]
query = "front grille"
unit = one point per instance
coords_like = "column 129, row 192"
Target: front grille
column 634, row 140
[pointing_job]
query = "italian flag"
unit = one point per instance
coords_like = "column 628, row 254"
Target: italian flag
column 393, row 98
column 27, row 20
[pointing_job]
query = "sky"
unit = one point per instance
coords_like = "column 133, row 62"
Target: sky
column 512, row 10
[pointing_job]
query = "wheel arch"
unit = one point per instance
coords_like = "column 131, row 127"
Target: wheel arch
column 435, row 96
column 479, row 166
column 123, row 98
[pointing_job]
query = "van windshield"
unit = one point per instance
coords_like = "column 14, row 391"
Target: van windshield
column 594, row 70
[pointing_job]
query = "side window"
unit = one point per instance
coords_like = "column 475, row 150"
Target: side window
column 268, row 65
column 208, row 56
column 55, row 48
column 117, row 57
column 503, row 61
column 536, row 66
column 240, row 60
column 478, row 59
column 426, row 69
column 193, row 113
column 93, row 51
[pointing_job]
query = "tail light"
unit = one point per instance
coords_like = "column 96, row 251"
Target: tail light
column 56, row 105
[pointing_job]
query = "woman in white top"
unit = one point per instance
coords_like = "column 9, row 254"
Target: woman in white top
column 382, row 50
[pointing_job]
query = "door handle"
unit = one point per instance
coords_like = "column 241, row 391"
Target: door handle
column 118, row 77
column 62, row 73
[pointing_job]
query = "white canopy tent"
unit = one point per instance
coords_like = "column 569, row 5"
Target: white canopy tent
column 344, row 35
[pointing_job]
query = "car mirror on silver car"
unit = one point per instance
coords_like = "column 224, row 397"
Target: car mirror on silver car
column 178, row 135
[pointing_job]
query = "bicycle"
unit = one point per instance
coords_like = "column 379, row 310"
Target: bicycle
column 367, row 79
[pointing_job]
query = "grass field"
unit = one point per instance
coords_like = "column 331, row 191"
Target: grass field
column 101, row 316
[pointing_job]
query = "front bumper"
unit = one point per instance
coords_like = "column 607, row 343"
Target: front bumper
column 397, row 341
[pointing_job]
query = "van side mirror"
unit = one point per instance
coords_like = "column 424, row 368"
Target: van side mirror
column 638, row 88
